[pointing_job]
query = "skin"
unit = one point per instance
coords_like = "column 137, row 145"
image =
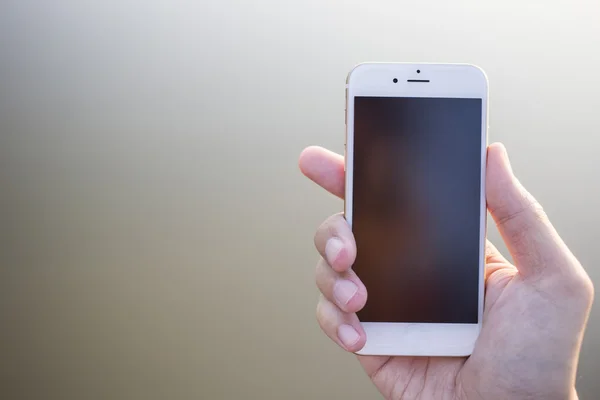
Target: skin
column 535, row 314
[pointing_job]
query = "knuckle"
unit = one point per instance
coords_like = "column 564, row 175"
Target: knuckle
column 540, row 213
column 582, row 287
column 588, row 289
column 318, row 234
column 332, row 224
column 529, row 205
column 326, row 229
column 320, row 272
column 321, row 312
column 577, row 286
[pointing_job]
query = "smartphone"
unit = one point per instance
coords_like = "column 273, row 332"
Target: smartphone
column 416, row 142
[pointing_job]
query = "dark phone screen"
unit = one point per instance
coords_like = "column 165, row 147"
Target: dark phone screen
column 416, row 207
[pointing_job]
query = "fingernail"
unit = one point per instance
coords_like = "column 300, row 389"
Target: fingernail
column 333, row 248
column 348, row 335
column 344, row 290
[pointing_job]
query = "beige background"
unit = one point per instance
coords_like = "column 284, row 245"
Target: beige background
column 155, row 234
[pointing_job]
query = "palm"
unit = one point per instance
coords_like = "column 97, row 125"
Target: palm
column 445, row 377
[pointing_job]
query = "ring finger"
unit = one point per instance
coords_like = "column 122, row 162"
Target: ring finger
column 344, row 289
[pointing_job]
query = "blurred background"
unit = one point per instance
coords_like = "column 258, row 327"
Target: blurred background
column 155, row 232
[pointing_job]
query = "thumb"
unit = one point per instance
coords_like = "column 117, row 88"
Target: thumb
column 532, row 241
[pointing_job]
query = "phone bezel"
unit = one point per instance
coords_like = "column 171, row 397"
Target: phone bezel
column 444, row 80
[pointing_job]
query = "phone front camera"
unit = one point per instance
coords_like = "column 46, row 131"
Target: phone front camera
column 395, row 80
column 418, row 71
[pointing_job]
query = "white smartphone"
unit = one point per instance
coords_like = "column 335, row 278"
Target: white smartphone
column 416, row 142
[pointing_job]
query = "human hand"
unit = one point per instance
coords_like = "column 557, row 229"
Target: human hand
column 535, row 310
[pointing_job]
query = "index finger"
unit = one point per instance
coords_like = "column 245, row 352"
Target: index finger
column 335, row 241
column 325, row 168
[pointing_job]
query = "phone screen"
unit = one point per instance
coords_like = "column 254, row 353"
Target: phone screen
column 416, row 207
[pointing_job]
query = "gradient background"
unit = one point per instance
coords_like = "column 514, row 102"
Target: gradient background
column 155, row 233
